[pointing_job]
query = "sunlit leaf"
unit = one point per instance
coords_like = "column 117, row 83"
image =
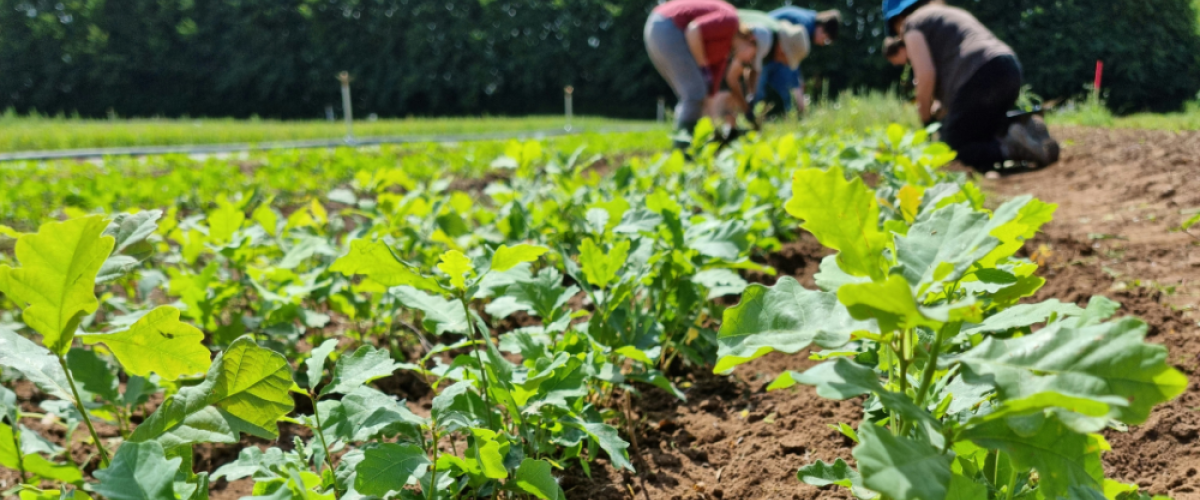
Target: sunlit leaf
column 55, row 282
column 157, row 343
column 785, row 318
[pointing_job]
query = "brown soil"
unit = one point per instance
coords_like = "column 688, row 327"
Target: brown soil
column 1118, row 193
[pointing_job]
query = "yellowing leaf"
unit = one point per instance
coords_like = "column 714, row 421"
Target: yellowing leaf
column 601, row 269
column 660, row 200
column 507, row 257
column 458, row 266
column 375, row 260
column 224, row 221
column 157, row 343
column 266, row 218
column 56, row 281
column 910, row 201
column 843, row 215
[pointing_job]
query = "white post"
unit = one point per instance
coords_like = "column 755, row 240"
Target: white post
column 567, row 105
column 344, row 77
column 661, row 116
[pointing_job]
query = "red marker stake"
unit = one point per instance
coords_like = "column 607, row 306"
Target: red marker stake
column 1099, row 76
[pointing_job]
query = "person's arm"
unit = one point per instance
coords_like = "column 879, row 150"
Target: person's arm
column 924, row 72
column 733, row 78
column 798, row 95
column 695, row 41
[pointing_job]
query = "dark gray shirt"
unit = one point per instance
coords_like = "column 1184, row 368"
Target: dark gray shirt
column 958, row 43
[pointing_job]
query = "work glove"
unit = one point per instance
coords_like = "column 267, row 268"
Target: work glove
column 706, row 73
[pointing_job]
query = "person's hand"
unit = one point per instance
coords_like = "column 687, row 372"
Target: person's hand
column 936, row 112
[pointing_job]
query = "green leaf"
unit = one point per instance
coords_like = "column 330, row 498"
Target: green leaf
column 719, row 239
column 830, row 277
column 507, row 257
column 245, row 390
column 458, row 407
column 840, row 379
column 36, row 363
column 600, row 268
column 139, row 471
column 1032, row 216
column 458, row 267
column 490, row 459
column 838, row 473
column 441, row 315
column 657, row 379
column 34, row 463
column 1099, row 308
column 720, row 282
column 157, row 343
column 129, row 230
column 252, row 460
column 35, row 494
column 843, row 215
column 534, row 477
column 901, row 468
column 944, row 245
column 890, row 303
column 786, row 318
column 607, row 438
column 315, row 364
column 965, row 488
column 543, row 295
column 640, row 220
column 92, row 375
column 253, row 384
column 388, row 467
column 376, row 260
column 1188, row 224
column 368, row 414
column 365, row 365
column 1025, row 315
column 1108, row 362
column 1062, row 457
column 224, row 221
column 55, row 284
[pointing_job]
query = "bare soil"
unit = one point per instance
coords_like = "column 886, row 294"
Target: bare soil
column 1119, row 192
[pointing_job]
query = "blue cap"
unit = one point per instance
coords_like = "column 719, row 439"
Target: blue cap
column 893, row 8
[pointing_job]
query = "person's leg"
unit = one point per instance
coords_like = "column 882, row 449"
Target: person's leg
column 979, row 114
column 669, row 52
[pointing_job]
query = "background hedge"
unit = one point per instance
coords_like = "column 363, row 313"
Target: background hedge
column 278, row 58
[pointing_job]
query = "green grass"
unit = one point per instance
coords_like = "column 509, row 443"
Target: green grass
column 31, row 133
column 1092, row 113
column 857, row 112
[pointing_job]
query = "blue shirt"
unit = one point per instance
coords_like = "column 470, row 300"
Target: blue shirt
column 776, row 75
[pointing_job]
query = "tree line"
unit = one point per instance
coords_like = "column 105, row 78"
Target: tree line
column 278, row 58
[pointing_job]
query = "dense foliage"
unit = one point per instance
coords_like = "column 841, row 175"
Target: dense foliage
column 423, row 57
column 530, row 310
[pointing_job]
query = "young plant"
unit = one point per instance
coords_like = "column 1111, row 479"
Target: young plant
column 965, row 400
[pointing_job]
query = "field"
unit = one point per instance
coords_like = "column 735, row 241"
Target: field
column 833, row 310
column 25, row 133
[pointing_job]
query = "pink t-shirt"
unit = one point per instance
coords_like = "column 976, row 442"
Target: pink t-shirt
column 718, row 24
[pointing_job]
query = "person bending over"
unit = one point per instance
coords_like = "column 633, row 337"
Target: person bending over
column 976, row 78
column 690, row 42
column 785, row 79
column 778, row 42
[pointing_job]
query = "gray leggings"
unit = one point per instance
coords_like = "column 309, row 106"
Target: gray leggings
column 669, row 52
